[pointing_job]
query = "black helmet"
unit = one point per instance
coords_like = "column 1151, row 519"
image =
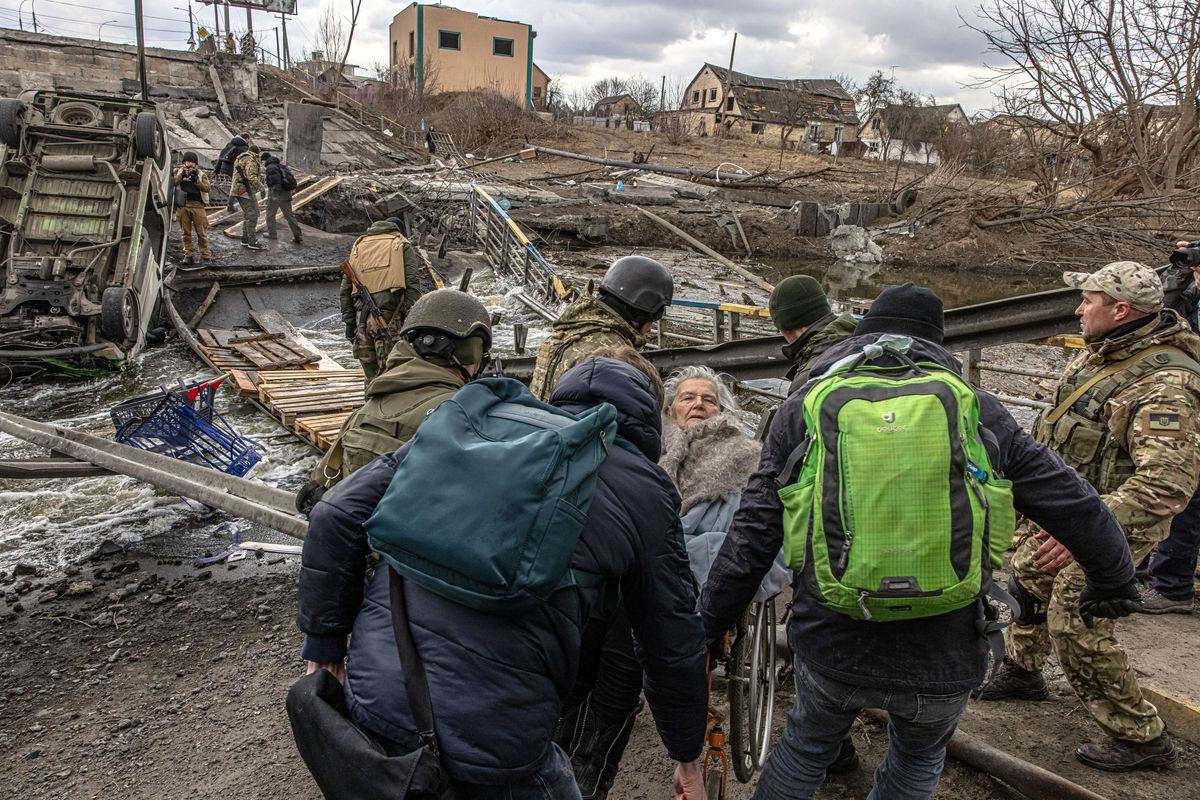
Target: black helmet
column 452, row 312
column 641, row 283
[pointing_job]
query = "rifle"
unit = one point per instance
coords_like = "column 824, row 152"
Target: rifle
column 370, row 308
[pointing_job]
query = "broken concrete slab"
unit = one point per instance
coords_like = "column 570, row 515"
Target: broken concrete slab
column 852, row 243
column 304, row 133
column 684, row 189
column 630, row 195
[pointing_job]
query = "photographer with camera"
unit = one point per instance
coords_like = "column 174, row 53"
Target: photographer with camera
column 191, row 184
column 1172, row 585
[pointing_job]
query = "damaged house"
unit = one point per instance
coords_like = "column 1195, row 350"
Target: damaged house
column 815, row 113
column 910, row 132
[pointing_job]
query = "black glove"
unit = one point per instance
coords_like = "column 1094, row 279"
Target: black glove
column 1109, row 603
column 351, row 331
column 309, row 495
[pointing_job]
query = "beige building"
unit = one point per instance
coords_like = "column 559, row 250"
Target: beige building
column 618, row 105
column 816, row 112
column 539, row 92
column 445, row 49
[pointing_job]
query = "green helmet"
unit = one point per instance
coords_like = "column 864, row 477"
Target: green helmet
column 454, row 313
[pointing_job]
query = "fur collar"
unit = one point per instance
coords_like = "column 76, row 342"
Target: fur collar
column 710, row 460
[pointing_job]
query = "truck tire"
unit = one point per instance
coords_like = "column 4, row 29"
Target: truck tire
column 147, row 143
column 904, row 201
column 118, row 315
column 11, row 114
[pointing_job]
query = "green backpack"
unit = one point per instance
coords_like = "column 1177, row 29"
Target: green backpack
column 895, row 512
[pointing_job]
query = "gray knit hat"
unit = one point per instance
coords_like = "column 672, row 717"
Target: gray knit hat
column 797, row 301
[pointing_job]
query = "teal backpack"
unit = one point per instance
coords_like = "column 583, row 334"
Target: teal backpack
column 896, row 512
column 487, row 506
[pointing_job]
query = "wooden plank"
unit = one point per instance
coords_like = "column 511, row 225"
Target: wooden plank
column 299, row 200
column 241, row 379
column 204, row 306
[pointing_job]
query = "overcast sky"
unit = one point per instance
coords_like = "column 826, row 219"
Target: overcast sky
column 579, row 41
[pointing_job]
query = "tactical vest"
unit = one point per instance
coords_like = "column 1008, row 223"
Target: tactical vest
column 378, row 260
column 1076, row 428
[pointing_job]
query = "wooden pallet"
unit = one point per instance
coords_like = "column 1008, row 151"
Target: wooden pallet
column 272, row 351
column 294, row 394
column 247, row 351
column 322, row 429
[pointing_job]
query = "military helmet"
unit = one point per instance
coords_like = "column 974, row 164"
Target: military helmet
column 641, row 283
column 452, row 312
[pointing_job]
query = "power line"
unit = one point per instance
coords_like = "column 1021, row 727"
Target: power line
column 108, row 10
column 91, row 23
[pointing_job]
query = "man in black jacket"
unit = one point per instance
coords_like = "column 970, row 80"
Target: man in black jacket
column 224, row 164
column 279, row 196
column 497, row 682
column 921, row 671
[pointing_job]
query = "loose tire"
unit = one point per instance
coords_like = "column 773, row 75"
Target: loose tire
column 118, row 315
column 904, row 201
column 147, row 141
column 12, row 112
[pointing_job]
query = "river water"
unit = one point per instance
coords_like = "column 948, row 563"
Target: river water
column 51, row 523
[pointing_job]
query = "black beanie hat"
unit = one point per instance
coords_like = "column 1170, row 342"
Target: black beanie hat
column 907, row 309
column 797, row 301
column 190, row 155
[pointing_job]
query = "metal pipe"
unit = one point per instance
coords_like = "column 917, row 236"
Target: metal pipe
column 1029, row 779
column 58, row 352
column 611, row 162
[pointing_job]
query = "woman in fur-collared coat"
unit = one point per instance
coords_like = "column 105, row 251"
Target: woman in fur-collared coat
column 709, row 458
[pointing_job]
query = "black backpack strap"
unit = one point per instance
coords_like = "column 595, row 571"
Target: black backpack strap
column 414, row 672
column 789, row 467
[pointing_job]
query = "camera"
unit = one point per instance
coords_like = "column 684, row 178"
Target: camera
column 1186, row 257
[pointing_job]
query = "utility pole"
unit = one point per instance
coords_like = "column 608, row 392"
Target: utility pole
column 228, row 26
column 662, row 100
column 191, row 28
column 141, row 49
column 217, row 22
column 278, row 52
column 720, row 112
column 287, row 56
column 33, row 11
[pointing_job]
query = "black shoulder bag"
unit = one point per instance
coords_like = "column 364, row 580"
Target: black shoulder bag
column 349, row 764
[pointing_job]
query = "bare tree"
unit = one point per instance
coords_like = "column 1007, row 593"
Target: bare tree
column 355, row 7
column 1118, row 77
column 789, row 110
column 872, row 95
column 645, row 92
column 330, row 39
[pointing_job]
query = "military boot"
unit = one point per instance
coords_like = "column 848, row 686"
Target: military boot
column 1120, row 755
column 1014, row 682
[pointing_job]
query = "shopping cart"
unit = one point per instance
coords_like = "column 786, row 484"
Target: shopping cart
column 181, row 422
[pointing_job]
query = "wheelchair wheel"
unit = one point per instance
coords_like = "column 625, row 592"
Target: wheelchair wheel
column 761, row 681
column 737, row 670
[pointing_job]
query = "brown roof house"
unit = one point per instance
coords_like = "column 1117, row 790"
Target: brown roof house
column 619, row 105
column 909, row 132
column 815, row 113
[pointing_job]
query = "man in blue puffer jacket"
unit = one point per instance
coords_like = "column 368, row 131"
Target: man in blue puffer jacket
column 497, row 682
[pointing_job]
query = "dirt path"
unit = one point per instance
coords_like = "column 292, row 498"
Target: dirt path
column 142, row 679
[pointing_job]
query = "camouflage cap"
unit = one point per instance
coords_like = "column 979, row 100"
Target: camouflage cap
column 1130, row 281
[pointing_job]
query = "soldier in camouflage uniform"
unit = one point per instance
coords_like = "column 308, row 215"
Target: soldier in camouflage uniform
column 633, row 294
column 388, row 266
column 1127, row 418
column 801, row 312
column 445, row 341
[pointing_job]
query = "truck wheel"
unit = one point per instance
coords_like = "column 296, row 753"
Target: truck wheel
column 147, row 141
column 904, row 201
column 118, row 315
column 11, row 114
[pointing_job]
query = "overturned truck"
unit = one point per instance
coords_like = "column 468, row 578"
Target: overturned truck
column 84, row 213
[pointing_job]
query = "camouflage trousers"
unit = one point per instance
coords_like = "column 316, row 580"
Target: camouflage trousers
column 371, row 348
column 1092, row 660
